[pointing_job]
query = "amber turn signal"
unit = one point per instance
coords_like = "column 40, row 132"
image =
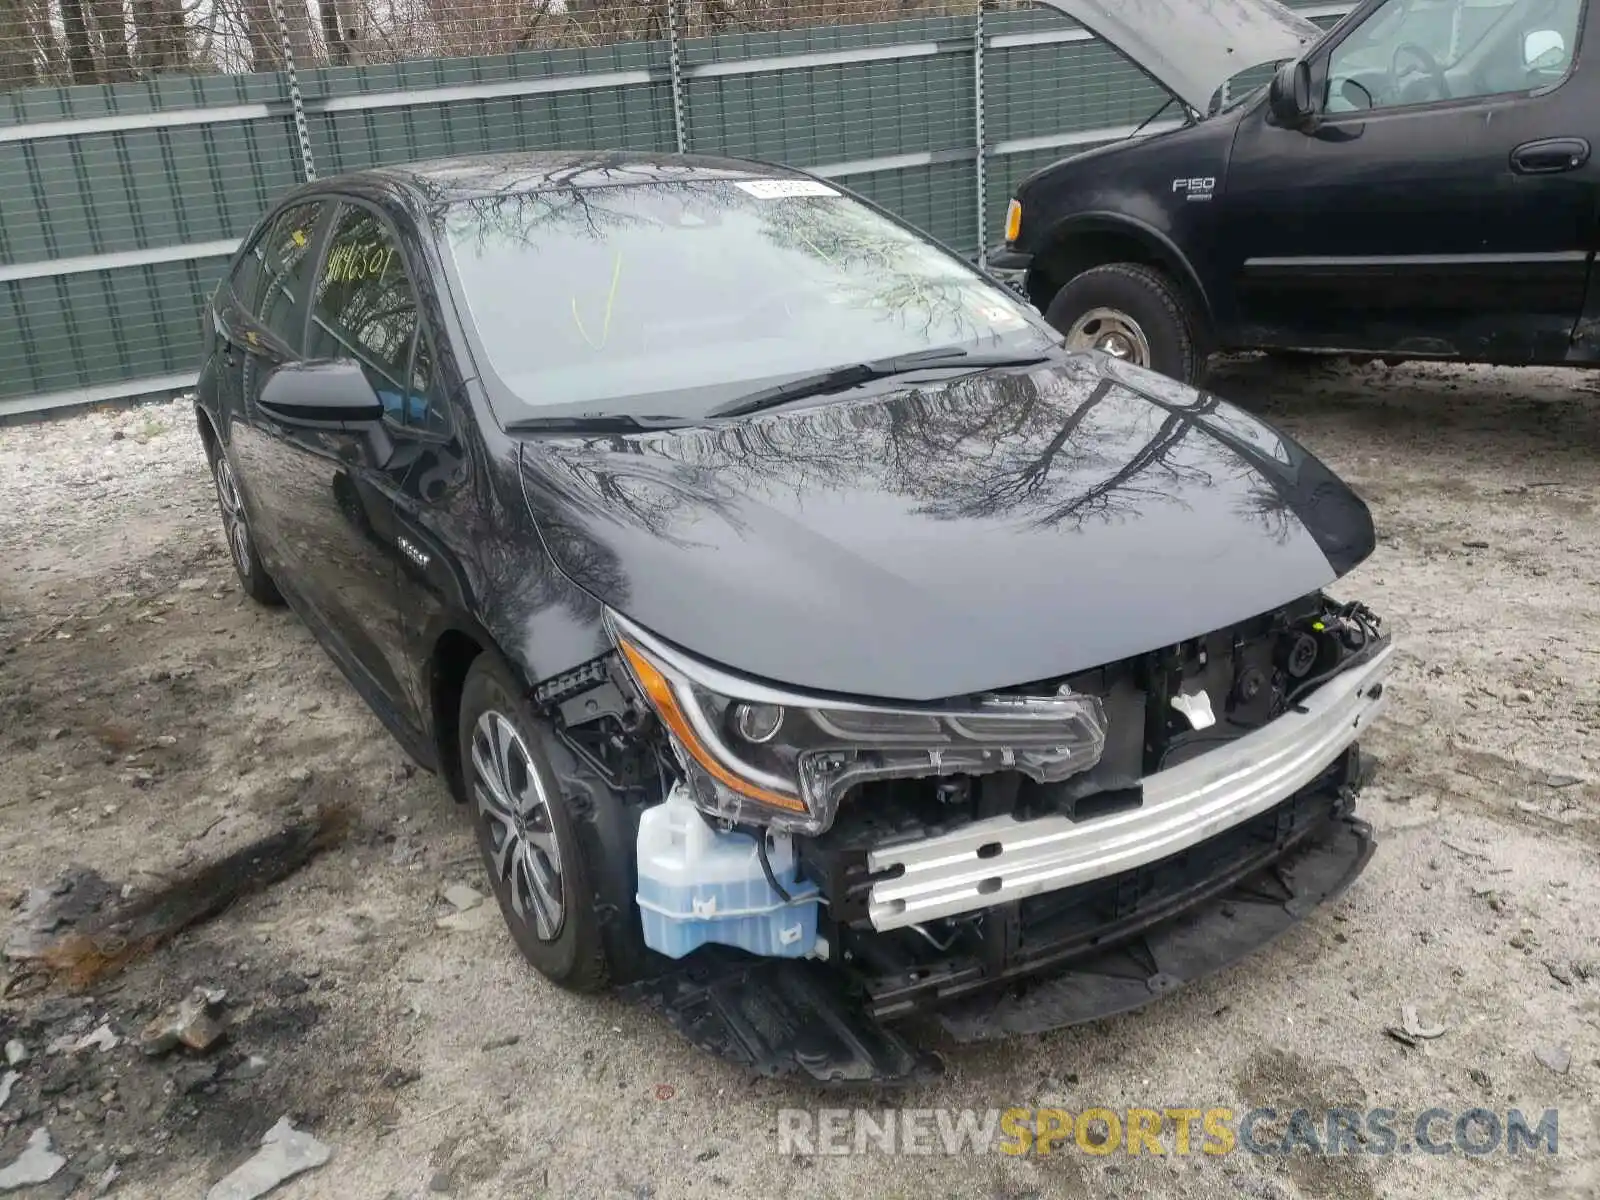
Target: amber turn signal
column 665, row 701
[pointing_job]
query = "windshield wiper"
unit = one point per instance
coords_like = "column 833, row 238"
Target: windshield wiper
column 837, row 379
column 593, row 423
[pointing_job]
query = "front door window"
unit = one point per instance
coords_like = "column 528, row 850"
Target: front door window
column 1410, row 52
column 364, row 309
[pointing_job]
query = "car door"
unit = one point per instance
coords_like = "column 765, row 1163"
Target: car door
column 263, row 328
column 1442, row 201
column 222, row 322
column 385, row 327
column 333, row 489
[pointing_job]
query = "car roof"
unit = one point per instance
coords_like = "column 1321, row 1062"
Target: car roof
column 468, row 177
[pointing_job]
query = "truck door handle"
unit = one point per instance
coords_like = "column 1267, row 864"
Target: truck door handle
column 1550, row 156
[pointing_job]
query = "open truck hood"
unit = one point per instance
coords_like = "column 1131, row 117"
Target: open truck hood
column 1191, row 48
column 917, row 543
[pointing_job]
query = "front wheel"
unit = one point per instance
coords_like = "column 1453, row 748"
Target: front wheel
column 557, row 841
column 1131, row 312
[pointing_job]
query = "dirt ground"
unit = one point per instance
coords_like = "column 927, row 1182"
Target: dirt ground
column 151, row 717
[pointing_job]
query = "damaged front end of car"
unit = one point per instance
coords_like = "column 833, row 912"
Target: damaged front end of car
column 823, row 874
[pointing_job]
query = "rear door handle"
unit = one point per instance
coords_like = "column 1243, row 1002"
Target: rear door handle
column 1550, row 156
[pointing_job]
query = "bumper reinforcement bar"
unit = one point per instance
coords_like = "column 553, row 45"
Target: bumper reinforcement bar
column 1002, row 859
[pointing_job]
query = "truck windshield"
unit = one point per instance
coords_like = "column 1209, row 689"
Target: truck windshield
column 673, row 297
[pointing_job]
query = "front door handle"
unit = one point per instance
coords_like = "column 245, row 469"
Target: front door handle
column 1550, row 156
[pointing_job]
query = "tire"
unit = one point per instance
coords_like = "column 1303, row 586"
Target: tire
column 1146, row 303
column 576, row 837
column 242, row 552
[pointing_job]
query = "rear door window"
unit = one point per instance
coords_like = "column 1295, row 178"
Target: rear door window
column 287, row 258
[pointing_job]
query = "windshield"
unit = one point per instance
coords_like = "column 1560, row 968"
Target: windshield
column 669, row 298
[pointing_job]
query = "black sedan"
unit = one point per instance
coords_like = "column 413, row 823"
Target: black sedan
column 820, row 647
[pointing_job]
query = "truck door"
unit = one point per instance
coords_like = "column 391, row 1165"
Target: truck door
column 1444, row 199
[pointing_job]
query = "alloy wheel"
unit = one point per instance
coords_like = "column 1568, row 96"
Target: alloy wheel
column 1111, row 332
column 233, row 518
column 512, row 801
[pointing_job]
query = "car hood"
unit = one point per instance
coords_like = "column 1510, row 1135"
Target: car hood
column 1192, row 49
column 926, row 542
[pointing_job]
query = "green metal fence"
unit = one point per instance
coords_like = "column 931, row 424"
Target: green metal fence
column 120, row 202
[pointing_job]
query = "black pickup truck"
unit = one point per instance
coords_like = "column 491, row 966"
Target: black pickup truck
column 1416, row 182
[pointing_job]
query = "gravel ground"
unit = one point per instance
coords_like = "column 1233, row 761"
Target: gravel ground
column 151, row 718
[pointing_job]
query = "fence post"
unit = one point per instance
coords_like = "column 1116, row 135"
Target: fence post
column 307, row 164
column 675, row 65
column 983, row 149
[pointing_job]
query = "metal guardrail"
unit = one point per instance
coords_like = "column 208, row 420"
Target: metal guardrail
column 513, row 89
column 674, row 73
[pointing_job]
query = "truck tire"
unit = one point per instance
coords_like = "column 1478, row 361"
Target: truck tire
column 1132, row 312
column 557, row 841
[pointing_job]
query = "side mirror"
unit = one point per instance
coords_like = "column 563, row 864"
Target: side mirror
column 1289, row 96
column 1544, row 48
column 329, row 395
column 321, row 395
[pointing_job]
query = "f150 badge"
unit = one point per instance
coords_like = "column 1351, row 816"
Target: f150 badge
column 1195, row 189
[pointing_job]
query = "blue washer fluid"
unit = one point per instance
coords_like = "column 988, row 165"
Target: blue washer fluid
column 698, row 884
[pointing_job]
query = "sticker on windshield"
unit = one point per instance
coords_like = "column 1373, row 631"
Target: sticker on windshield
column 783, row 189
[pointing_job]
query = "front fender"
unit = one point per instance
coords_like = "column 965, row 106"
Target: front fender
column 1084, row 229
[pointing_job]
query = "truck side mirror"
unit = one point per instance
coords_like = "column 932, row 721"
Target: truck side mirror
column 1289, row 96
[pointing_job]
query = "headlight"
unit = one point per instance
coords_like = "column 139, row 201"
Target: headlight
column 1013, row 220
column 761, row 755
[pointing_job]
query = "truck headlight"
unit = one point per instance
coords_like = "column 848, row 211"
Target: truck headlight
column 762, row 755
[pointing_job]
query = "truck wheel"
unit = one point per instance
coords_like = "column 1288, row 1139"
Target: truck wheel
column 557, row 841
column 1132, row 312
